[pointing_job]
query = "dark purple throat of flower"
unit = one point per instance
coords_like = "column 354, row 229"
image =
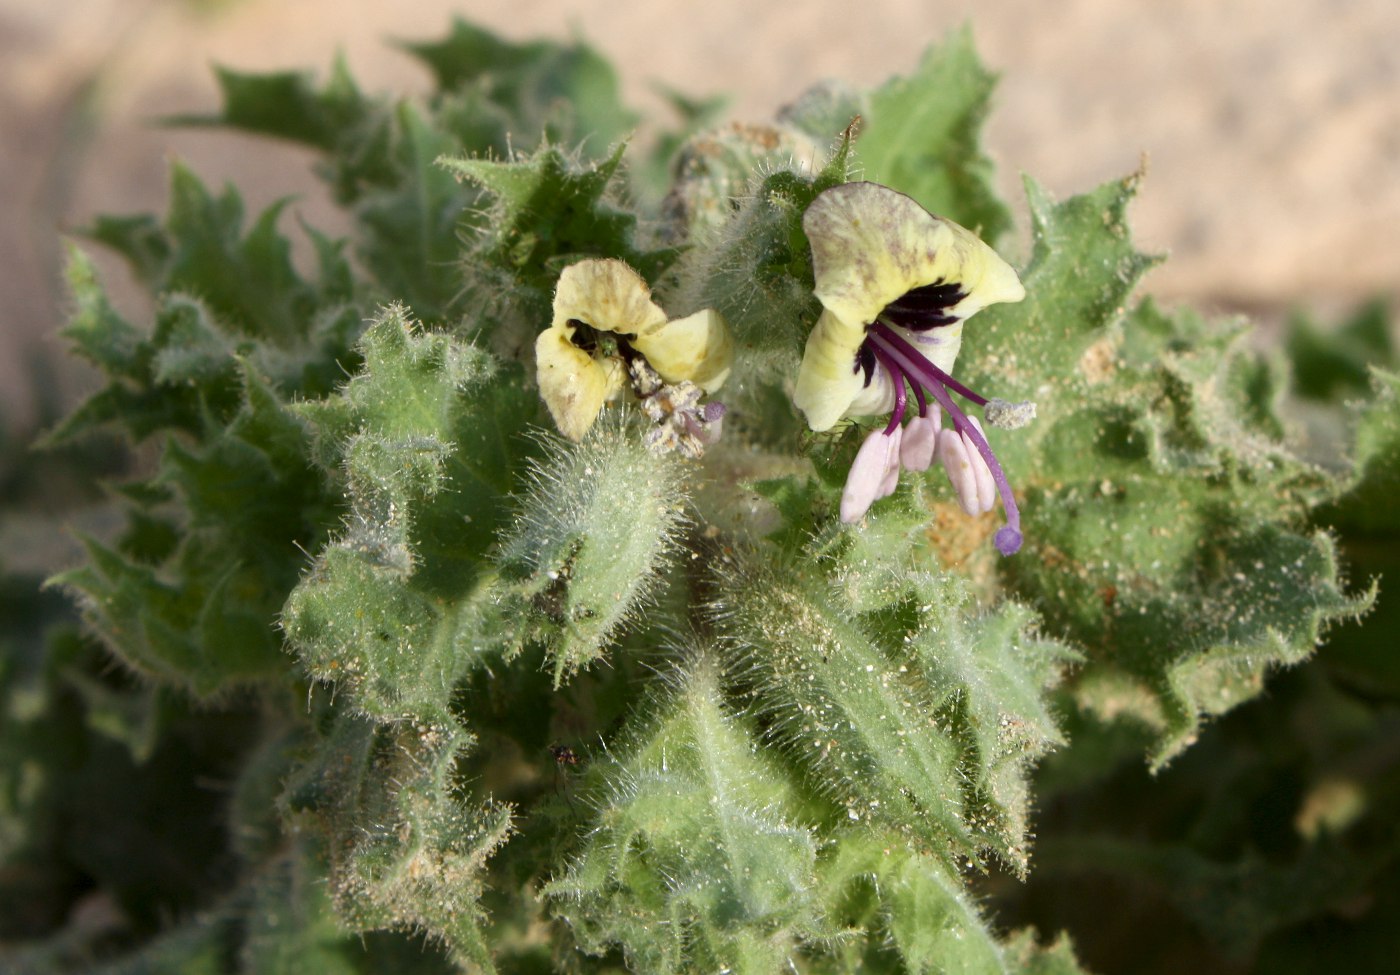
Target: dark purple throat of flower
column 906, row 364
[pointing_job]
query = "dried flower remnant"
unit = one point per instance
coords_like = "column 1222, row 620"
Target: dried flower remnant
column 683, row 425
column 896, row 284
column 607, row 334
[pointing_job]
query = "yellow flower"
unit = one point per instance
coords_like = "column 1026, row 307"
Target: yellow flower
column 896, row 284
column 879, row 256
column 604, row 318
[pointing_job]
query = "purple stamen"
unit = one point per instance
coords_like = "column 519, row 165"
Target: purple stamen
column 919, row 395
column 901, row 400
column 894, row 339
column 906, row 362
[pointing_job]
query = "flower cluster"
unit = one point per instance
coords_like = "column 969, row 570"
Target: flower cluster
column 607, row 333
column 896, row 284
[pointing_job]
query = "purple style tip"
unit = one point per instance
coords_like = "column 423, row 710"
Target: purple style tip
column 1008, row 540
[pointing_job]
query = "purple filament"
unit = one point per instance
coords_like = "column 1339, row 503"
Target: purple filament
column 901, row 400
column 904, row 362
column 894, row 340
column 919, row 395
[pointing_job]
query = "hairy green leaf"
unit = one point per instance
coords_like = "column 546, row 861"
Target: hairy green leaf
column 696, row 857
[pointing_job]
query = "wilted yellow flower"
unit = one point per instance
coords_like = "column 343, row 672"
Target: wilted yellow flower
column 604, row 318
column 896, row 284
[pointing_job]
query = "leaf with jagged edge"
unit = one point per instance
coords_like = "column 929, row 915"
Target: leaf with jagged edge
column 133, row 397
column 900, row 909
column 202, row 615
column 922, row 135
column 222, row 294
column 429, row 438
column 1331, row 363
column 546, row 211
column 1364, row 512
column 882, row 635
column 379, row 160
column 904, row 910
column 488, row 90
column 246, row 280
column 989, row 676
column 412, row 227
column 356, row 134
column 697, row 859
column 846, row 710
column 561, row 92
column 1177, row 554
column 1051, row 346
column 1368, row 502
column 288, row 923
column 379, row 156
column 919, row 133
column 288, row 105
column 1164, row 520
column 407, row 851
column 986, row 673
column 1257, row 835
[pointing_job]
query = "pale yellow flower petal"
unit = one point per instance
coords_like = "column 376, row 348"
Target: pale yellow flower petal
column 827, row 381
column 829, row 384
column 608, row 295
column 572, row 383
column 938, row 345
column 872, row 244
column 698, row 348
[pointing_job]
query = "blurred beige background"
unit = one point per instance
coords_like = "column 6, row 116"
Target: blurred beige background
column 1272, row 126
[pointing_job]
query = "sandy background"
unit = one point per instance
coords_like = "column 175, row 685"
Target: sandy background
column 1272, row 126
